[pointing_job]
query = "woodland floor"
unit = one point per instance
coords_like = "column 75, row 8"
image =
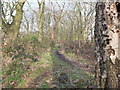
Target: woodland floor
column 47, row 71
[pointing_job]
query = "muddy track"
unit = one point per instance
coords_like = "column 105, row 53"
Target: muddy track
column 36, row 82
column 63, row 58
column 73, row 63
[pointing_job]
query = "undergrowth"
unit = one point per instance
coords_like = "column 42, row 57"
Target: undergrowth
column 34, row 62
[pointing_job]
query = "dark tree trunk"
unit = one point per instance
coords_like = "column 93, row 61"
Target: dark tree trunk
column 107, row 43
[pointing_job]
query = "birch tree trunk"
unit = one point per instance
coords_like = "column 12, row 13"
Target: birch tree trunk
column 107, row 43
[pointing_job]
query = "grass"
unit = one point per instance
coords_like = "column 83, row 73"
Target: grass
column 13, row 72
column 73, row 73
column 53, row 63
column 0, row 76
column 24, row 55
column 48, row 62
column 74, row 57
column 81, row 77
column 23, row 69
column 38, row 68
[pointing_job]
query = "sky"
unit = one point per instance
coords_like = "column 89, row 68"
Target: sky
column 33, row 5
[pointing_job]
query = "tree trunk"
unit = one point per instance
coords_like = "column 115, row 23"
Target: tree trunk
column 12, row 30
column 41, row 8
column 0, row 47
column 107, row 43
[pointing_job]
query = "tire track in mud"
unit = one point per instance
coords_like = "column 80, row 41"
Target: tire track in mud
column 73, row 63
column 37, row 80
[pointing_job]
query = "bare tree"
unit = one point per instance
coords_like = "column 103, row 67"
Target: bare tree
column 57, row 16
column 41, row 22
column 10, row 22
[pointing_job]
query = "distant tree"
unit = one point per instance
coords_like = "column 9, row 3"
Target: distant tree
column 57, row 16
column 0, row 13
column 41, row 21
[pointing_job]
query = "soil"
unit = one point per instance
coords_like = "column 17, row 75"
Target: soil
column 38, row 79
column 73, row 63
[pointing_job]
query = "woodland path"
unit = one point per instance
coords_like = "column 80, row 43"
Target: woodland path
column 36, row 82
column 73, row 63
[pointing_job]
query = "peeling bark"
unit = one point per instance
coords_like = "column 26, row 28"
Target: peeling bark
column 107, row 42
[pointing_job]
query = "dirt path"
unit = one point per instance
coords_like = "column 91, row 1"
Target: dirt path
column 73, row 63
column 37, row 80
